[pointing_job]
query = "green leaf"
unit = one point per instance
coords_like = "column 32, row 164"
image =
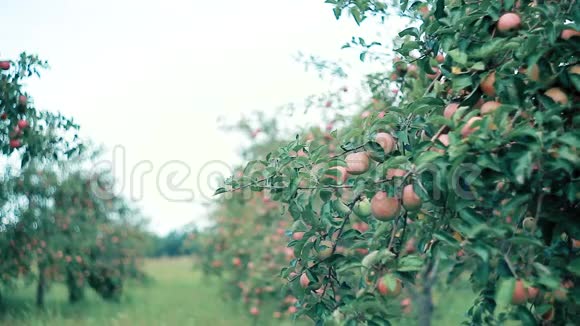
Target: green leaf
column 377, row 152
column 526, row 241
column 525, row 316
column 337, row 12
column 425, row 158
column 356, row 14
column 445, row 237
column 362, row 56
column 461, row 82
column 550, row 281
column 481, row 252
column 505, row 290
column 408, row 47
column 219, row 191
column 522, row 167
column 572, row 139
column 458, row 56
column 413, row 31
column 410, row 263
column 574, row 266
column 478, row 66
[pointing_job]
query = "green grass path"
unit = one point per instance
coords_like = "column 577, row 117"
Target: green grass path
column 176, row 296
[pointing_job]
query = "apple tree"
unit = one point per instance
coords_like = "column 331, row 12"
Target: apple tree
column 53, row 212
column 470, row 167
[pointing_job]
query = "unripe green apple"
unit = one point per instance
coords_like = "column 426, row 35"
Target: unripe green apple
column 362, row 208
column 529, row 224
column 325, row 250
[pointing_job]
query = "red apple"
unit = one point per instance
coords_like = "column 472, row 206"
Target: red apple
column 406, row 306
column 357, row 163
column 383, row 207
column 489, row 107
column 304, row 281
column 411, row 201
column 450, row 110
column 569, row 33
column 508, row 22
column 387, row 141
column 297, row 235
column 23, row 124
column 467, row 129
column 385, row 290
column 395, row 173
column 22, row 100
column 488, row 85
column 15, row 143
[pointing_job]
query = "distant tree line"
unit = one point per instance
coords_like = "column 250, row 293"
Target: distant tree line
column 175, row 243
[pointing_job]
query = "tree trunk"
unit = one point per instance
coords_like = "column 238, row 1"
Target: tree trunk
column 425, row 306
column 425, row 297
column 75, row 291
column 41, row 286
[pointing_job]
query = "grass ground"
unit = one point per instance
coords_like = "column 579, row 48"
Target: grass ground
column 178, row 295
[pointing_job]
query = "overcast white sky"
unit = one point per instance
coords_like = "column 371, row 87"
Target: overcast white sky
column 154, row 75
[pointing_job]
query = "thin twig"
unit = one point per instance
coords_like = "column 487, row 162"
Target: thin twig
column 510, row 265
column 347, row 151
column 248, row 185
column 432, row 84
column 393, row 233
column 344, row 222
column 437, row 134
column 539, row 206
column 397, row 251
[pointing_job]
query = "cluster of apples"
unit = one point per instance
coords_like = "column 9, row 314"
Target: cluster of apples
column 403, row 69
column 18, row 131
column 22, row 124
column 523, row 294
column 382, row 206
column 507, row 23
